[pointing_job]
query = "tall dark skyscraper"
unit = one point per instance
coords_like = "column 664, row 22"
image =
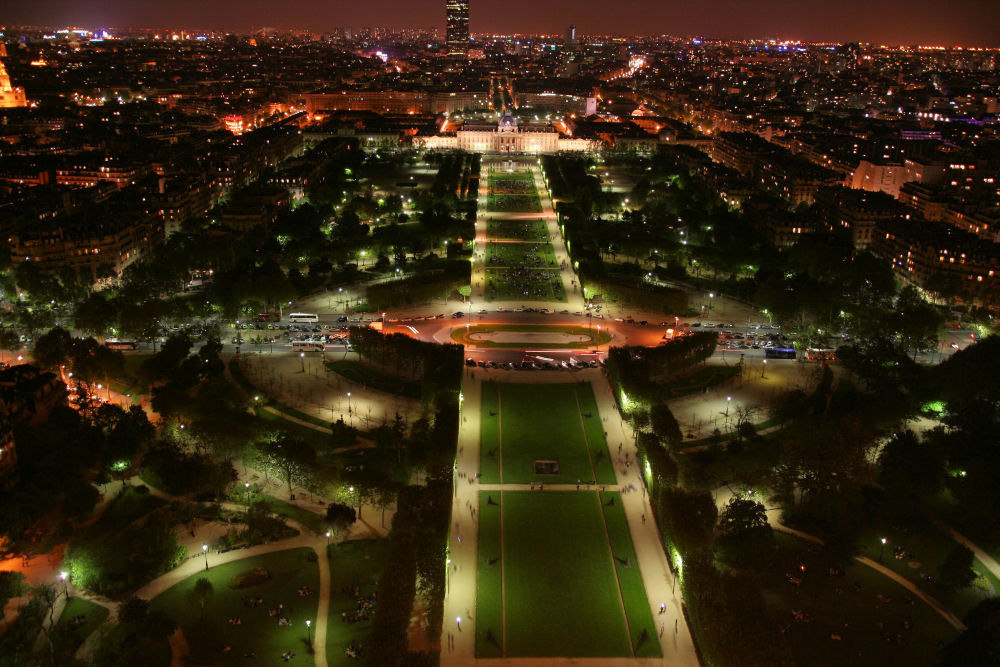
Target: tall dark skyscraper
column 458, row 27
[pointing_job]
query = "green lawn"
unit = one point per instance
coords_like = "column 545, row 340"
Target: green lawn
column 520, row 254
column 848, row 607
column 209, row 633
column 594, row 337
column 543, row 422
column 524, row 284
column 560, row 593
column 489, row 579
column 513, row 203
column 311, row 520
column 641, row 625
column 522, row 230
column 79, row 618
column 352, row 565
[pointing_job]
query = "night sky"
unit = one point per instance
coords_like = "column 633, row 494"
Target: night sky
column 965, row 22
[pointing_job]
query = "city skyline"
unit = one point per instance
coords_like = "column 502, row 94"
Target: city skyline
column 967, row 23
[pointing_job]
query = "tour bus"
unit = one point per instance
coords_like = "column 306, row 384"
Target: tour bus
column 307, row 345
column 779, row 353
column 113, row 344
column 303, row 317
column 821, row 354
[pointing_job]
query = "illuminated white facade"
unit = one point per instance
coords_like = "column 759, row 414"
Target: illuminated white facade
column 508, row 137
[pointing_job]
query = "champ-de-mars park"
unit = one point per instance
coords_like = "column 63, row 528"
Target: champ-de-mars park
column 497, row 409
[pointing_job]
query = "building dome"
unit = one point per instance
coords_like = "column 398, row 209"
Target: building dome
column 508, row 121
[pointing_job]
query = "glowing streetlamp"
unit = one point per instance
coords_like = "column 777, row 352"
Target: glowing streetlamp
column 204, row 550
column 881, row 549
column 763, row 369
column 64, row 575
column 309, row 640
column 728, row 401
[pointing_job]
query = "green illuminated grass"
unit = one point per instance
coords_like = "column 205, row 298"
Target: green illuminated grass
column 209, row 633
column 547, row 422
column 642, row 628
column 560, row 593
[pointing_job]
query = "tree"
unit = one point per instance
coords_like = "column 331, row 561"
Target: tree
column 339, row 518
column 12, row 585
column 744, row 534
column 52, row 349
column 956, row 570
column 287, row 457
column 665, row 424
column 95, row 315
column 202, row 590
column 690, row 518
column 980, row 643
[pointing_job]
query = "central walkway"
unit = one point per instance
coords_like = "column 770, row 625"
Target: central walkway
column 574, row 297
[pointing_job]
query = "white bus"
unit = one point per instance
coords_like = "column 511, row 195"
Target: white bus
column 308, row 345
column 303, row 317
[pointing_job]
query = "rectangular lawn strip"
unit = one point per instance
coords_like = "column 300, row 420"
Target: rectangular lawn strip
column 524, row 284
column 847, row 606
column 520, row 254
column 604, row 467
column 641, row 625
column 513, row 203
column 542, row 422
column 352, row 565
column 561, row 594
column 489, row 578
column 489, row 436
column 208, row 633
column 523, row 230
column 70, row 631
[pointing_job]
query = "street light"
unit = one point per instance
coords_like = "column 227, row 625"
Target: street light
column 309, row 640
column 881, row 549
column 204, row 550
column 763, row 368
column 728, row 399
column 246, row 494
column 348, row 402
column 328, row 538
column 63, row 575
column 302, row 361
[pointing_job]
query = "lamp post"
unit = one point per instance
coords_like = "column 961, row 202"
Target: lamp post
column 64, row 575
column 881, row 549
column 728, row 400
column 763, row 368
column 309, row 640
column 204, row 550
column 711, row 295
column 328, row 538
column 302, row 361
column 349, row 411
column 246, row 494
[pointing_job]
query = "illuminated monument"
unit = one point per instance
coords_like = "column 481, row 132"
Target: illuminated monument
column 458, row 27
column 9, row 96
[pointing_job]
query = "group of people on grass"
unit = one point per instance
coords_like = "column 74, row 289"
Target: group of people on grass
column 522, row 254
column 364, row 607
column 529, row 283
